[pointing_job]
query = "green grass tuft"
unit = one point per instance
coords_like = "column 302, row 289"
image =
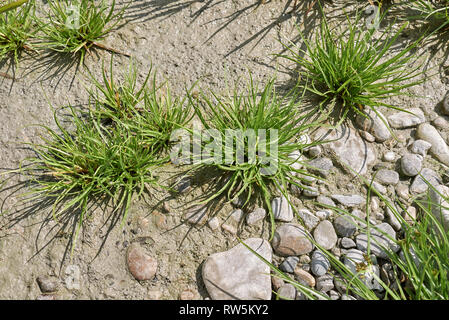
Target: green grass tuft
column 89, row 163
column 255, row 110
column 16, row 29
column 95, row 20
column 354, row 69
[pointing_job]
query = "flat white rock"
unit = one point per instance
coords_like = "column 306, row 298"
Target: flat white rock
column 238, row 273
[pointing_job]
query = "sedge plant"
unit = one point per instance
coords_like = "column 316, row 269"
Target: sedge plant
column 149, row 109
column 16, row 29
column 353, row 69
column 74, row 168
column 75, row 27
column 258, row 140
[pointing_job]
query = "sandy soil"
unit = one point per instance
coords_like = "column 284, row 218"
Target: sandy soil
column 215, row 42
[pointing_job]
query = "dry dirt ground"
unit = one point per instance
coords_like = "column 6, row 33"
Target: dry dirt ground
column 214, row 42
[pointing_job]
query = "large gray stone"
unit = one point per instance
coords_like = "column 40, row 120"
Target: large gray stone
column 349, row 148
column 238, row 273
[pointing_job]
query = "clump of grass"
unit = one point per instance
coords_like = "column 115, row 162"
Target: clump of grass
column 148, row 110
column 89, row 163
column 243, row 171
column 75, row 27
column 16, row 28
column 353, row 69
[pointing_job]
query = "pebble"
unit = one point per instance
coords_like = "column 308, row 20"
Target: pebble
column 304, row 278
column 389, row 156
column 304, row 259
column 411, row 165
column 440, row 204
column 377, row 186
column 197, row 215
column 334, row 295
column 311, row 192
column 289, row 264
column 441, row 123
column 347, row 297
column 308, row 218
column 314, row 151
column 238, row 273
column 48, row 284
column 348, row 147
column 237, row 215
column 291, row 240
column 325, row 283
column 419, row 185
column 374, row 124
column 255, row 216
column 287, row 292
column 324, row 234
column 410, row 215
column 321, row 166
column 214, row 223
column 420, row 147
column 319, row 264
column 347, row 243
column 229, row 228
column 392, row 219
column 439, row 148
column 282, row 210
column 325, row 200
column 402, row 191
column 378, row 240
column 349, row 201
column 141, row 265
column 345, row 226
column 402, row 120
column 387, row 177
column 323, row 214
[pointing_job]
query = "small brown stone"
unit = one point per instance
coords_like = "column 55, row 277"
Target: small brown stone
column 304, row 277
column 141, row 266
column 276, row 282
column 159, row 220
